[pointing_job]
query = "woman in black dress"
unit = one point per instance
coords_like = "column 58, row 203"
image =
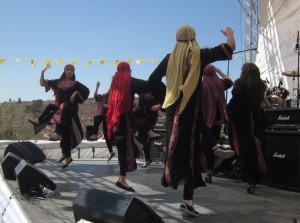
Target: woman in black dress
column 120, row 122
column 69, row 94
column 183, row 70
column 246, row 125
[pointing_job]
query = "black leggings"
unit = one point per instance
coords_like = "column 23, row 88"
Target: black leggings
column 188, row 192
column 47, row 114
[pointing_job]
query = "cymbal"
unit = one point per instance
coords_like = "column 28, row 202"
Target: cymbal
column 290, row 73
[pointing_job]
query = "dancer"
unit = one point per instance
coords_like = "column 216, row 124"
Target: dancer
column 70, row 93
column 246, row 124
column 119, row 120
column 214, row 113
column 145, row 119
column 100, row 117
column 183, row 69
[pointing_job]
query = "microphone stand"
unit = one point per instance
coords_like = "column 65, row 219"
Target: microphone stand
column 298, row 52
column 226, row 96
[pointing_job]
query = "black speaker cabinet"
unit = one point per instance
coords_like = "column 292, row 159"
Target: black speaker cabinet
column 283, row 160
column 27, row 151
column 8, row 164
column 107, row 207
column 31, row 180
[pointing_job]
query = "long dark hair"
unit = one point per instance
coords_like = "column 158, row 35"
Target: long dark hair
column 252, row 83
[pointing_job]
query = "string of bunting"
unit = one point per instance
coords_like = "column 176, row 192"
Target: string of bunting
column 34, row 62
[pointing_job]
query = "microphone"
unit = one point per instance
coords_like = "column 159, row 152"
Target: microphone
column 267, row 81
column 280, row 83
column 297, row 43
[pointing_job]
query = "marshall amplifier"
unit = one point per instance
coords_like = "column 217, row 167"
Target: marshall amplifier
column 282, row 119
column 282, row 159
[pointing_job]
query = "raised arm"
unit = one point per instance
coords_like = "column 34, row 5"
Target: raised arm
column 96, row 91
column 228, row 32
column 42, row 77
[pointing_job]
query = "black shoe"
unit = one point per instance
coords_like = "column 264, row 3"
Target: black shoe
column 208, row 179
column 67, row 164
column 93, row 138
column 189, row 210
column 61, row 159
column 111, row 156
column 251, row 189
column 33, row 122
column 51, row 138
column 118, row 184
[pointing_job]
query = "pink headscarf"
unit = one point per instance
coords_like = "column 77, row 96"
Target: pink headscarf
column 213, row 98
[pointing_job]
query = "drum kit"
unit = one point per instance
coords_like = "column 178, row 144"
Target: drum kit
column 277, row 97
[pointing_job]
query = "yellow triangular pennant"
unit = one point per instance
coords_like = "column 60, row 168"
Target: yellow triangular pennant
column 19, row 59
column 60, row 61
column 74, row 61
column 47, row 62
column 102, row 61
column 33, row 62
column 139, row 61
column 129, row 61
column 237, row 56
column 2, row 60
column 90, row 62
column 116, row 62
column 153, row 60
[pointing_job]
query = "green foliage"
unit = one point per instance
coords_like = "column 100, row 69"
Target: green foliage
column 35, row 107
column 8, row 134
column 15, row 126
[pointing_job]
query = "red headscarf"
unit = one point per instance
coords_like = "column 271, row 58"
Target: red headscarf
column 69, row 66
column 120, row 97
column 213, row 98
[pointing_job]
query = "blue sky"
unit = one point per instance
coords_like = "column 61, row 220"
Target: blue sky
column 97, row 30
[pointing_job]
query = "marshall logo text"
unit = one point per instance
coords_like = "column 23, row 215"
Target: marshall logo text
column 283, row 118
column 278, row 155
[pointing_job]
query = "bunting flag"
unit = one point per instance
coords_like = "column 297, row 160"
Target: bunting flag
column 139, row 61
column 74, row 61
column 153, row 60
column 60, row 61
column 237, row 56
column 102, row 62
column 90, row 62
column 47, row 62
column 33, row 62
column 2, row 60
column 116, row 62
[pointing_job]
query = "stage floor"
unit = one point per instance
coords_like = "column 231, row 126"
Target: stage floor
column 225, row 200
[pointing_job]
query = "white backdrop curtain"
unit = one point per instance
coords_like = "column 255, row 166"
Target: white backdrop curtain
column 279, row 25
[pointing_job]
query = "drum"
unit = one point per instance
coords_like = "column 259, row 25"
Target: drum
column 269, row 91
column 278, row 96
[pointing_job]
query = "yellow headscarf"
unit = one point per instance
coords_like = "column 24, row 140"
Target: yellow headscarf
column 184, row 61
